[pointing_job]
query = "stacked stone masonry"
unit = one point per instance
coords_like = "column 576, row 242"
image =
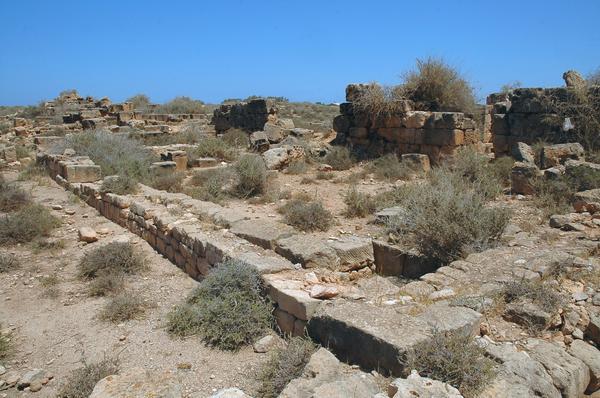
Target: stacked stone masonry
column 528, row 115
column 251, row 116
column 437, row 134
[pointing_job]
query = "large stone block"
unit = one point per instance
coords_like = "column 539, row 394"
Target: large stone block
column 354, row 252
column 554, row 155
column 309, row 251
column 522, row 177
column 82, row 172
column 394, row 261
column 263, row 233
column 443, row 137
column 291, row 297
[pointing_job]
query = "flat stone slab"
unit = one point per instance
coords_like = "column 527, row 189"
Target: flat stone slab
column 383, row 335
column 138, row 383
column 265, row 264
column 291, row 297
column 354, row 252
column 309, row 251
column 262, row 233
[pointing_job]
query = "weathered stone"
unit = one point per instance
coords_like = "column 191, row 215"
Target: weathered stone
column 291, row 298
column 523, row 153
column 277, row 158
column 395, row 261
column 32, row 376
column 522, row 176
column 265, row 264
column 570, row 375
column 575, row 169
column 518, row 374
column 587, row 201
column 554, row 155
column 323, row 292
column 259, row 141
column 138, row 383
column 527, row 313
column 87, row 234
column 591, row 357
column 263, row 233
column 573, row 79
column 422, row 387
column 274, row 132
column 230, row 393
column 267, row 343
column 417, row 162
column 354, row 252
column 384, row 334
column 309, row 251
column 387, row 214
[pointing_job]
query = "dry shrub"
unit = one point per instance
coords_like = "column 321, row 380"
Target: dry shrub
column 114, row 257
column 448, row 216
column 284, row 365
column 553, row 196
column 251, row 176
column 120, row 185
column 213, row 147
column 168, row 181
column 453, row 358
column 358, row 204
column 106, row 283
column 81, row 382
column 228, row 309
column 339, row 158
column 8, row 262
column 236, row 138
column 123, row 307
column 538, row 292
column 486, row 178
column 297, row 167
column 181, row 104
column 437, row 86
column 31, row 222
column 50, row 285
column 40, row 245
column 12, row 197
column 5, row 344
column 140, row 102
column 389, row 168
column 378, row 101
column 306, row 215
column 115, row 154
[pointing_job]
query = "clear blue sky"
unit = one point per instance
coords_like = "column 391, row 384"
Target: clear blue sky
column 303, row 50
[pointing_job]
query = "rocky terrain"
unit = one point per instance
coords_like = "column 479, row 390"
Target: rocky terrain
column 411, row 251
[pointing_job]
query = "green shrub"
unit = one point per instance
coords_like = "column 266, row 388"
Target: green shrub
column 120, row 185
column 31, row 222
column 8, row 262
column 389, row 168
column 339, row 158
column 306, row 215
column 284, row 365
column 114, row 257
column 447, row 217
column 436, row 86
column 228, row 310
column 209, row 185
column 115, row 154
column 251, row 176
column 12, row 197
column 454, row 359
column 213, row 147
column 123, row 307
column 81, row 382
column 22, row 151
column 358, row 204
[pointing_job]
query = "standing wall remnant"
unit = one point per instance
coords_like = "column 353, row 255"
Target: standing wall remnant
column 251, row 116
column 436, row 134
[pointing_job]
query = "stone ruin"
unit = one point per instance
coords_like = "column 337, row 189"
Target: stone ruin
column 250, row 116
column 436, row 134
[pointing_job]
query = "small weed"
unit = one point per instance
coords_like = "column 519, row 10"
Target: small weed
column 170, row 182
column 5, row 344
column 339, row 158
column 236, row 138
column 123, row 307
column 106, row 283
column 358, row 204
column 297, row 167
column 31, row 222
column 324, row 175
column 81, row 382
column 50, row 285
column 284, row 365
column 8, row 262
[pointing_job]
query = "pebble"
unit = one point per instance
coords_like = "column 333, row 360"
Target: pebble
column 57, row 207
column 70, row 212
column 580, row 296
column 2, row 370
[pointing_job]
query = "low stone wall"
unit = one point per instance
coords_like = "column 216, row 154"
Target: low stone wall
column 436, row 134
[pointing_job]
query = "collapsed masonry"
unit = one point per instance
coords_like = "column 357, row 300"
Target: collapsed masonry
column 436, row 134
column 250, row 116
column 530, row 115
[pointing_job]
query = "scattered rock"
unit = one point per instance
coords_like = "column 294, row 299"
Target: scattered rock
column 230, row 393
column 422, row 387
column 87, row 234
column 267, row 343
column 323, row 292
column 138, row 383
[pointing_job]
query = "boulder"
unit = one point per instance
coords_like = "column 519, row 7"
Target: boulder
column 576, row 169
column 138, row 383
column 422, row 387
column 587, row 201
column 278, row 158
column 274, row 132
column 554, row 155
column 523, row 153
column 528, row 314
column 87, row 234
column 354, row 252
column 522, row 176
column 573, row 79
column 259, row 141
column 591, row 357
column 570, row 375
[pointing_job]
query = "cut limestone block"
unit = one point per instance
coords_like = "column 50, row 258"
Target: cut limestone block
column 310, row 252
column 263, row 233
column 354, row 252
column 395, row 261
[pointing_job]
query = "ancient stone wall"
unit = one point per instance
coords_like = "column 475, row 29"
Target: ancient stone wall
column 251, row 116
column 437, row 134
column 530, row 115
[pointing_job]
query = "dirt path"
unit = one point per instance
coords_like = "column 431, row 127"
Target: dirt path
column 57, row 333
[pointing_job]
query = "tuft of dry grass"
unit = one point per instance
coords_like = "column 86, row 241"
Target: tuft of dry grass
column 339, row 158
column 115, row 257
column 306, row 215
column 81, row 382
column 358, row 204
column 123, row 307
column 30, row 222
